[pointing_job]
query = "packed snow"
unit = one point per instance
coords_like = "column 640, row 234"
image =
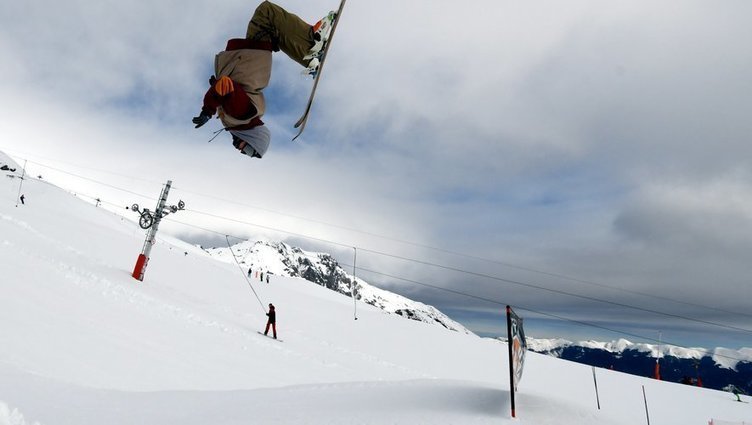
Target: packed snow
column 85, row 343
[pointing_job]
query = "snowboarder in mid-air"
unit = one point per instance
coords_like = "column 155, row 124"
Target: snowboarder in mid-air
column 243, row 70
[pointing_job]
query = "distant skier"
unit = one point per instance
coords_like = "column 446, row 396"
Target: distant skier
column 272, row 321
column 22, row 200
column 243, row 70
column 736, row 393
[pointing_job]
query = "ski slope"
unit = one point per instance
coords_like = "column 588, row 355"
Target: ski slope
column 282, row 259
column 82, row 342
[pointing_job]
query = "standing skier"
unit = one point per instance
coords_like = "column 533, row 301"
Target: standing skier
column 243, row 70
column 272, row 321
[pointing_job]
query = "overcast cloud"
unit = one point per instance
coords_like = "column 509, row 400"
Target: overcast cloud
column 605, row 144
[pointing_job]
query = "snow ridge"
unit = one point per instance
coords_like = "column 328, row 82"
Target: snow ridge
column 724, row 357
column 279, row 258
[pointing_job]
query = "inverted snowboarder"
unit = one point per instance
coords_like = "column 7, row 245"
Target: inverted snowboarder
column 243, row 70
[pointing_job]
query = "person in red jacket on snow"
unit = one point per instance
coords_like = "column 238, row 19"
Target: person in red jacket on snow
column 243, row 70
column 272, row 321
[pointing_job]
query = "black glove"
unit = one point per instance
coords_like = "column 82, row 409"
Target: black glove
column 201, row 119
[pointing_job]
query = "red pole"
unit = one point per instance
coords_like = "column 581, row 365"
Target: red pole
column 697, row 371
column 138, row 271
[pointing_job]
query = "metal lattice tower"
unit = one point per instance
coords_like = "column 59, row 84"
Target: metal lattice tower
column 150, row 221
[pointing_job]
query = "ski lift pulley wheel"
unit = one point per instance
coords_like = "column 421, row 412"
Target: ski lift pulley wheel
column 146, row 220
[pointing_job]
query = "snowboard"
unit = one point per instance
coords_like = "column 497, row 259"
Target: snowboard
column 270, row 337
column 300, row 125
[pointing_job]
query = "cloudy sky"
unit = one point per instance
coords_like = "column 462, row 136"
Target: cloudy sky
column 587, row 162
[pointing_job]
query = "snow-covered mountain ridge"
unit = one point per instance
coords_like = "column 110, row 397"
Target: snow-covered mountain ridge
column 281, row 259
column 719, row 368
column 724, row 357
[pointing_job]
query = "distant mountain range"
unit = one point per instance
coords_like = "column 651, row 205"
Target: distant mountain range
column 717, row 368
column 278, row 258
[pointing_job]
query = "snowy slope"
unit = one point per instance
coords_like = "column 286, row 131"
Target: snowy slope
column 84, row 343
column 282, row 259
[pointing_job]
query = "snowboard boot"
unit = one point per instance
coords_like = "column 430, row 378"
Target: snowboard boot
column 321, row 31
column 313, row 67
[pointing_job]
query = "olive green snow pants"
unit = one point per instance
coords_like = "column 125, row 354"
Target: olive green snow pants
column 273, row 23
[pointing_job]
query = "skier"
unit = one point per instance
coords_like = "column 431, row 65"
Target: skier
column 22, row 200
column 272, row 321
column 736, row 391
column 243, row 70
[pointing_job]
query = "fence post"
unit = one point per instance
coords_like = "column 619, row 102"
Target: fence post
column 647, row 414
column 354, row 287
column 597, row 397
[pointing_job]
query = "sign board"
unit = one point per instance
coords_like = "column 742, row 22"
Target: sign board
column 517, row 348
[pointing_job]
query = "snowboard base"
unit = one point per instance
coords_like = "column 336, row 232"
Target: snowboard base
column 300, row 125
column 270, row 337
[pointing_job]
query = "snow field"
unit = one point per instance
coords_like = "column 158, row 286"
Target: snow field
column 85, row 343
